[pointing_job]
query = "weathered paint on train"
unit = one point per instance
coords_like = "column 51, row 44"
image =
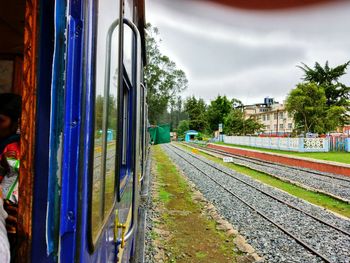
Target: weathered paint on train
column 56, row 222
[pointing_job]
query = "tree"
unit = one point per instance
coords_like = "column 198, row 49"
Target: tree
column 196, row 110
column 177, row 112
column 233, row 124
column 236, row 124
column 236, row 103
column 217, row 111
column 307, row 103
column 163, row 79
column 112, row 112
column 336, row 93
column 184, row 126
column 251, row 126
column 174, row 114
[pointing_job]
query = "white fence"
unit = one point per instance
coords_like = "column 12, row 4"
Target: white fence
column 286, row 144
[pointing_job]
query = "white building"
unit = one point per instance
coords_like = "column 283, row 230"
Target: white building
column 272, row 115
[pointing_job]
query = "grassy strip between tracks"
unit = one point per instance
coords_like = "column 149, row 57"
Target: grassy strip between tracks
column 319, row 199
column 340, row 157
column 185, row 234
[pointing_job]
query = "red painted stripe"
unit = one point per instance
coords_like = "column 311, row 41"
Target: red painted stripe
column 292, row 161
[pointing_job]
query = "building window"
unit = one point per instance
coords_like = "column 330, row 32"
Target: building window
column 290, row 126
column 275, row 126
column 267, row 117
column 281, row 126
column 264, row 117
column 275, row 116
column 281, row 115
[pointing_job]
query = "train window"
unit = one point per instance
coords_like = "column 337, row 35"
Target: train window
column 128, row 41
column 111, row 150
column 125, row 125
column 106, row 104
column 127, row 55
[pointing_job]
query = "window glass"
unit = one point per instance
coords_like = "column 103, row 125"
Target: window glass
column 125, row 162
column 125, row 125
column 128, row 41
column 128, row 38
column 106, row 90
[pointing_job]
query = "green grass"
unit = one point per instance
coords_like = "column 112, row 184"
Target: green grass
column 184, row 219
column 319, row 199
column 153, row 235
column 164, row 196
column 201, row 255
column 341, row 157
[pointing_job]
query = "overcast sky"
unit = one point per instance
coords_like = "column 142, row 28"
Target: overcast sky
column 246, row 54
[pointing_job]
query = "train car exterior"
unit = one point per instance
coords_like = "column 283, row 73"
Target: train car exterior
column 83, row 132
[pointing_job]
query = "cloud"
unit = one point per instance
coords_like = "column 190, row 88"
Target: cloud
column 245, row 54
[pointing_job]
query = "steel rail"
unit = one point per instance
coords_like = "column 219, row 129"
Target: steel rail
column 298, row 240
column 269, row 195
column 271, row 164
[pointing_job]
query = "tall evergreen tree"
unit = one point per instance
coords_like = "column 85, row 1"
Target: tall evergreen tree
column 217, row 111
column 196, row 110
column 163, row 79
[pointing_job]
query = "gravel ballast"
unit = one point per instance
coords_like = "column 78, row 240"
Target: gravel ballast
column 335, row 185
column 270, row 242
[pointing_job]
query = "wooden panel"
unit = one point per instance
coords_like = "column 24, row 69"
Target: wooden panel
column 11, row 26
column 18, row 76
column 27, row 131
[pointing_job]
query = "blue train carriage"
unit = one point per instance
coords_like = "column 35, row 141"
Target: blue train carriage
column 79, row 69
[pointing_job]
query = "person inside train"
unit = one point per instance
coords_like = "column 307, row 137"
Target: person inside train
column 5, row 254
column 10, row 113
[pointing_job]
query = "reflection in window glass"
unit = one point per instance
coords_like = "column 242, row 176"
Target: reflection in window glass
column 125, row 126
column 127, row 55
column 111, row 148
column 104, row 156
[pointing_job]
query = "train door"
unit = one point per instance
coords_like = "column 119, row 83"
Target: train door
column 106, row 208
column 80, row 120
column 89, row 160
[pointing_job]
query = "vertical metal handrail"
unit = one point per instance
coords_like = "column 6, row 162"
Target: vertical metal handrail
column 136, row 86
column 143, row 131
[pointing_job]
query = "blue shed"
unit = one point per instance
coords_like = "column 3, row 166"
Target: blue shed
column 109, row 135
column 189, row 135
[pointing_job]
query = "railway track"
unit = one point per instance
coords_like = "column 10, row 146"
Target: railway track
column 230, row 184
column 333, row 185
